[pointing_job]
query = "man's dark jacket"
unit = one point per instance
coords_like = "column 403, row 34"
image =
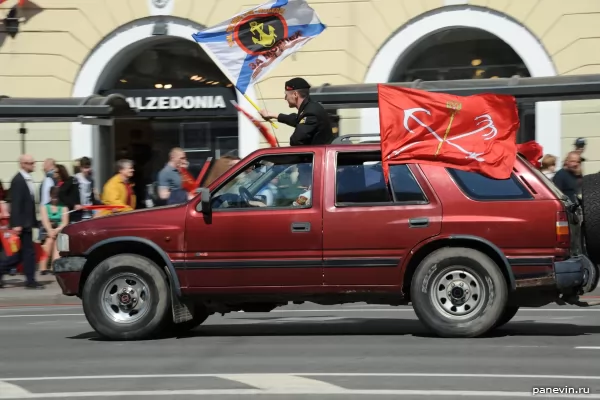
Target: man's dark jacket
column 22, row 204
column 312, row 124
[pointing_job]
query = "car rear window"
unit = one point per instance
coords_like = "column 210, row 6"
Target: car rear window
column 557, row 192
column 479, row 187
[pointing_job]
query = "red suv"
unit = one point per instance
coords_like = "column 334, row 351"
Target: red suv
column 319, row 224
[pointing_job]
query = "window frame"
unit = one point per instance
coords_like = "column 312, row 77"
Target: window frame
column 462, row 187
column 243, row 167
column 394, row 200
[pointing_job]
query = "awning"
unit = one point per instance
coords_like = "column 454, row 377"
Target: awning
column 526, row 90
column 92, row 110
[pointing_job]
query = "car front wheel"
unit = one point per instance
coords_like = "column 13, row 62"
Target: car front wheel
column 126, row 297
column 458, row 292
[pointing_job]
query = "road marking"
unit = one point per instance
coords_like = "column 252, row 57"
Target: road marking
column 40, row 315
column 305, row 374
column 276, row 382
column 8, row 389
column 254, row 392
column 588, row 347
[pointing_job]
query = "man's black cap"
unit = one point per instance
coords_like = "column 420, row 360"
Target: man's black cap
column 296, row 83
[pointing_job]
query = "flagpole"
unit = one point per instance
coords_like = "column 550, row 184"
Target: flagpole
column 224, row 71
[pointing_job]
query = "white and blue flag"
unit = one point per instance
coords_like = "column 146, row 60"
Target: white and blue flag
column 248, row 45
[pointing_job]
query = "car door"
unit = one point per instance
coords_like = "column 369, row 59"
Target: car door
column 367, row 232
column 265, row 247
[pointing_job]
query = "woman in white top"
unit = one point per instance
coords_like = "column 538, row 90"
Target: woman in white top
column 549, row 166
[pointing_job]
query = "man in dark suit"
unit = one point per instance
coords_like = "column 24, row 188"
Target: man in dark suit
column 312, row 122
column 23, row 216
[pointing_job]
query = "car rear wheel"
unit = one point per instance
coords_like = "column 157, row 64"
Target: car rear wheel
column 126, row 297
column 458, row 292
column 590, row 192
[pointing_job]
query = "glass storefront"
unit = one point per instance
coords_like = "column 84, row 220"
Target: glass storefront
column 183, row 100
column 148, row 141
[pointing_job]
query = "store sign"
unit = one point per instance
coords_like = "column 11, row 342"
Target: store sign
column 180, row 102
column 176, row 102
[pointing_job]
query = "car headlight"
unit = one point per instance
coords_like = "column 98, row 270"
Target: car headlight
column 62, row 242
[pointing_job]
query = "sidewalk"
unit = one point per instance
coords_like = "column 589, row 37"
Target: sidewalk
column 14, row 294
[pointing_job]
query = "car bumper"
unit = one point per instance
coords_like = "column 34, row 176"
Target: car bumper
column 68, row 273
column 576, row 273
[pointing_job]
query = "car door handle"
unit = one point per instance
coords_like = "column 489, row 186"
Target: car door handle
column 300, row 227
column 418, row 222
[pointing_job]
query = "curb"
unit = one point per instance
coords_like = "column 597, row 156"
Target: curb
column 51, row 299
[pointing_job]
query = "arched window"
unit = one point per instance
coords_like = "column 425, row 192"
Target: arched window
column 465, row 53
column 166, row 63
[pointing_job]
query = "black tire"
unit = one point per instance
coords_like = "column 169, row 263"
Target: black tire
column 590, row 192
column 158, row 311
column 490, row 287
column 507, row 315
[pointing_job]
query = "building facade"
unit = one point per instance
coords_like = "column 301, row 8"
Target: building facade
column 144, row 50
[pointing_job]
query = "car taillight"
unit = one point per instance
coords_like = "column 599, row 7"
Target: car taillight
column 563, row 235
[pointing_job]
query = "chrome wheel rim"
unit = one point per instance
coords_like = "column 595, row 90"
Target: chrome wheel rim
column 457, row 293
column 125, row 298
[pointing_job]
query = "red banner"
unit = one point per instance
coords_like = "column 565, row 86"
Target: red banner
column 473, row 133
column 532, row 151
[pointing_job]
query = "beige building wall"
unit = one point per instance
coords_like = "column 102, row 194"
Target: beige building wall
column 570, row 33
column 43, row 60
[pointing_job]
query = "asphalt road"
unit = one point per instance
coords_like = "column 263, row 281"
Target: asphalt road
column 301, row 352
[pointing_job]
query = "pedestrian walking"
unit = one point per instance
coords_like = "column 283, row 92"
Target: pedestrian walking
column 568, row 179
column 169, row 178
column 23, row 217
column 311, row 122
column 49, row 180
column 87, row 193
column 68, row 193
column 549, row 166
column 118, row 190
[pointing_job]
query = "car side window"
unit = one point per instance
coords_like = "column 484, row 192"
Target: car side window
column 360, row 180
column 276, row 181
column 479, row 187
column 405, row 186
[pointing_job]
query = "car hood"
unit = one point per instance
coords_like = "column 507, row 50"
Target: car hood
column 151, row 223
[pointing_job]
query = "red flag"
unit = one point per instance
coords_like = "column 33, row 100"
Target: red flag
column 532, row 151
column 473, row 133
column 263, row 130
column 20, row 3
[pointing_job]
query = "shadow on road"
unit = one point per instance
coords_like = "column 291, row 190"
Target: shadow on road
column 368, row 327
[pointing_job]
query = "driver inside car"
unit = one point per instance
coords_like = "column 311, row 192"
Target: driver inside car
column 305, row 182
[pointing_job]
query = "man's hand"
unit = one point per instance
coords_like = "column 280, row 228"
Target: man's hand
column 267, row 115
column 18, row 229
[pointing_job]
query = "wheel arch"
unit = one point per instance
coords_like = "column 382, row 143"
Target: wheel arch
column 133, row 245
column 422, row 250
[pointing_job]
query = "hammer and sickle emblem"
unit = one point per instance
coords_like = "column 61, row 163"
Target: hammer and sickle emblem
column 485, row 127
column 264, row 39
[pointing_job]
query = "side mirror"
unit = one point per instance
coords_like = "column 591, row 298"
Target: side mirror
column 205, row 200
